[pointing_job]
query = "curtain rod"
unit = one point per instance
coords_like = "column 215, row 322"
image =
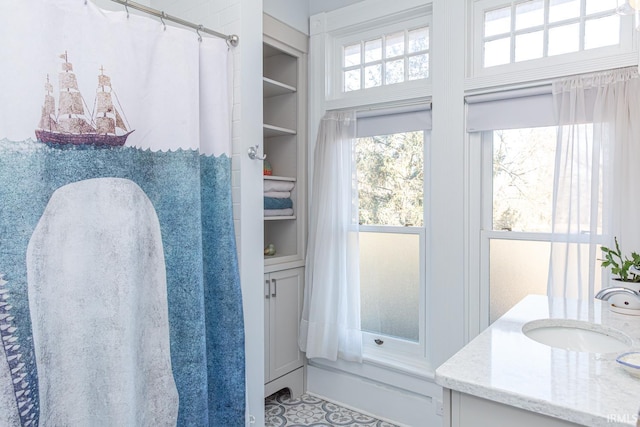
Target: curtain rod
column 232, row 39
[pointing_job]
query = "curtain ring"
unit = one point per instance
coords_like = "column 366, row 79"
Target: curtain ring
column 162, row 15
column 200, row 27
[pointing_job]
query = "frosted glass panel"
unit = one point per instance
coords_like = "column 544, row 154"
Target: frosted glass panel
column 516, row 269
column 389, row 282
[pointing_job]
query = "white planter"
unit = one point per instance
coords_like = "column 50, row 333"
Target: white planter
column 624, row 302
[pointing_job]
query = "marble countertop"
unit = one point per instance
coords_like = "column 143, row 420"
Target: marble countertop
column 504, row 365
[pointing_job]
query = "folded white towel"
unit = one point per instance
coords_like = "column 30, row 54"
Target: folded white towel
column 278, row 212
column 273, row 185
column 278, row 194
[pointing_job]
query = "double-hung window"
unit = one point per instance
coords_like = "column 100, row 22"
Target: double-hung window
column 514, row 139
column 390, row 163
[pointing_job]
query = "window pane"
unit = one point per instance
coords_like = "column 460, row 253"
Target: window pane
column 373, row 50
column 394, row 45
column 352, row 80
column 497, row 22
column 516, row 269
column 390, row 179
column 394, row 72
column 352, row 55
column 594, row 6
column 564, row 39
column 602, row 32
column 529, row 14
column 559, row 10
column 390, row 284
column 419, row 67
column 523, row 169
column 529, row 46
column 373, row 76
column 497, row 52
column 418, row 40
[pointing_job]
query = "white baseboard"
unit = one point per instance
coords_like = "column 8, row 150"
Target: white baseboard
column 382, row 401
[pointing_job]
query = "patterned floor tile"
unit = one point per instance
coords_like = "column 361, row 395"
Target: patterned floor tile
column 309, row 411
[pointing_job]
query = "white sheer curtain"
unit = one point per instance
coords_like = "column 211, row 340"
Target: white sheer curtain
column 330, row 326
column 597, row 176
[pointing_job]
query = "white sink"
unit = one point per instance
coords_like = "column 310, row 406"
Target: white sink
column 575, row 335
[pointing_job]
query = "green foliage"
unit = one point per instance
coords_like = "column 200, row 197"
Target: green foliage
column 390, row 179
column 620, row 266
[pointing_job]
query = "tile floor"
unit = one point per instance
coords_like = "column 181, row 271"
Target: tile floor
column 281, row 411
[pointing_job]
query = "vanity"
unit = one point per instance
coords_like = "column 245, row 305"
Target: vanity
column 508, row 376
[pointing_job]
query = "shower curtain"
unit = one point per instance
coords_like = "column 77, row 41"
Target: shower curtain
column 120, row 301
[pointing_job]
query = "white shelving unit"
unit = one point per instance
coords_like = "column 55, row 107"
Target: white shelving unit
column 284, row 134
column 284, row 131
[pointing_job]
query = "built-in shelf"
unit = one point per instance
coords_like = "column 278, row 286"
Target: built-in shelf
column 278, row 218
column 270, row 131
column 272, row 87
column 280, row 178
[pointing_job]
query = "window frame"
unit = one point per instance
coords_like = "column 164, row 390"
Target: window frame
column 361, row 38
column 483, row 154
column 548, row 67
column 395, row 348
column 336, row 98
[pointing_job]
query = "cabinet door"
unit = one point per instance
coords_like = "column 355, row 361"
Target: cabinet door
column 285, row 309
column 267, row 346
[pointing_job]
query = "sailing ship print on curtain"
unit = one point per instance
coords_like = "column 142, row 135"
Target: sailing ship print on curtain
column 120, row 300
column 70, row 124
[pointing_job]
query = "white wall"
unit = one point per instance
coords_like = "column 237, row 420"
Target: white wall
column 317, row 6
column 294, row 13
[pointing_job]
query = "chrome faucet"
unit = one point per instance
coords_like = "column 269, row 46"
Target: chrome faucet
column 606, row 293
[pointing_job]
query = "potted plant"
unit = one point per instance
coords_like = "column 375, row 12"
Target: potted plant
column 625, row 273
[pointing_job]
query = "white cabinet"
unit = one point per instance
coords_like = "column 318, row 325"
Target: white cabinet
column 464, row 410
column 283, row 292
column 284, row 139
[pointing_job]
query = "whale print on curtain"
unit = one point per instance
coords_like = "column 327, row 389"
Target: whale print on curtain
column 120, row 301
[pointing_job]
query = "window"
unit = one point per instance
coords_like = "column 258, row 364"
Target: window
column 552, row 38
column 517, row 154
column 390, row 162
column 389, row 59
column 539, row 28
